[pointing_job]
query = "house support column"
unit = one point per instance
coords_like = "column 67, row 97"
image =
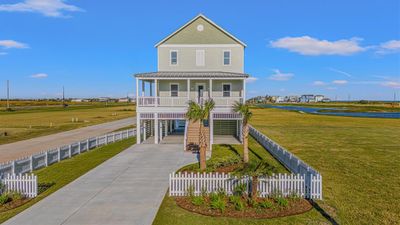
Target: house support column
column 138, row 129
column 144, row 130
column 188, row 89
column 165, row 128
column 210, row 91
column 170, row 126
column 156, row 128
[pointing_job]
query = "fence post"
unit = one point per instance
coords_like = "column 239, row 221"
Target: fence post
column 13, row 167
column 97, row 142
column 114, row 137
column 87, row 146
column 70, row 150
column 31, row 163
column 46, row 161
column 59, row 154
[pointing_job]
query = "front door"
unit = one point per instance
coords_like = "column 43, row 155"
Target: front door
column 200, row 90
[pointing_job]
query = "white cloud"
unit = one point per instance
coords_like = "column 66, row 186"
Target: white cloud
column 12, row 44
column 319, row 83
column 331, row 88
column 307, row 45
column 389, row 47
column 50, row 8
column 278, row 76
column 39, row 75
column 341, row 72
column 251, row 79
column 341, row 82
column 391, row 84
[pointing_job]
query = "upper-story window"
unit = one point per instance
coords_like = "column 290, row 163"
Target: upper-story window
column 174, row 90
column 200, row 57
column 174, row 57
column 227, row 58
column 226, row 89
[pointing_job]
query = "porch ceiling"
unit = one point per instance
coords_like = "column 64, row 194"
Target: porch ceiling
column 191, row 75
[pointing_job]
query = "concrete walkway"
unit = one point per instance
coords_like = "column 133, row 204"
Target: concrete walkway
column 31, row 146
column 127, row 189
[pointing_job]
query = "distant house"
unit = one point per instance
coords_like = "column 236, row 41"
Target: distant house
column 326, row 100
column 280, row 99
column 307, row 98
column 292, row 98
column 319, row 98
column 77, row 100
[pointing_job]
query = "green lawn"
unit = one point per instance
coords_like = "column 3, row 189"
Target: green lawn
column 358, row 158
column 66, row 171
column 171, row 214
column 29, row 123
column 351, row 106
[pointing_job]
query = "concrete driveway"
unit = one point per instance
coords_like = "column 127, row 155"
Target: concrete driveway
column 127, row 189
column 31, row 146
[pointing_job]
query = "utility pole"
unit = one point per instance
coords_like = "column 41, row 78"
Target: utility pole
column 8, row 94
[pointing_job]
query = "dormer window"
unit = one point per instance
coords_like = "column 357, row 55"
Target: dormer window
column 174, row 57
column 227, row 58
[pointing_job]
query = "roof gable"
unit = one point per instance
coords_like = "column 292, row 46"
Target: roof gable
column 211, row 34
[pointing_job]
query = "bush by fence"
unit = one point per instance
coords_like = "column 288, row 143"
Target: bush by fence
column 279, row 184
column 25, row 184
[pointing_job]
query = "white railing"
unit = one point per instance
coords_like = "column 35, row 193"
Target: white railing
column 183, row 101
column 313, row 179
column 278, row 184
column 46, row 158
column 25, row 184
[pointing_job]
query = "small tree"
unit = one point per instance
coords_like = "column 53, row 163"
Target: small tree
column 244, row 111
column 197, row 112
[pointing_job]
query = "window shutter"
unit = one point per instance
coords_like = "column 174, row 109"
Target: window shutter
column 200, row 57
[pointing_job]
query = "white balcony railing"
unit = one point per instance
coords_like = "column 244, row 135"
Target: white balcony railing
column 183, row 101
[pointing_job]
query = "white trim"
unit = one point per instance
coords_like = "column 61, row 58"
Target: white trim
column 170, row 57
column 193, row 78
column 208, row 20
column 198, row 59
column 223, row 57
column 199, row 45
column 170, row 90
column 230, row 90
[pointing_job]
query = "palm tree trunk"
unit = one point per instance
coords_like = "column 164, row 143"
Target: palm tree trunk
column 203, row 147
column 245, row 143
column 254, row 184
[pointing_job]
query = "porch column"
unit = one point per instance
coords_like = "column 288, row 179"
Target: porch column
column 170, row 126
column 156, row 128
column 211, row 126
column 165, row 128
column 155, row 92
column 188, row 89
column 137, row 91
column 160, row 126
column 144, row 130
column 138, row 129
column 210, row 91
column 151, row 88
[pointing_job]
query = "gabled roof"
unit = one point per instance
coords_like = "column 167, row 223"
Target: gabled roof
column 208, row 20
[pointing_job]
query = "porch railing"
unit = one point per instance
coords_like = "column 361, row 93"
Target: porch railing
column 183, row 101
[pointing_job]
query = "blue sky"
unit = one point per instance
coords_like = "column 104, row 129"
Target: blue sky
column 335, row 48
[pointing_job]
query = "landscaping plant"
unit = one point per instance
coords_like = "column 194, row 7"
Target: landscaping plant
column 201, row 112
column 4, row 198
column 244, row 111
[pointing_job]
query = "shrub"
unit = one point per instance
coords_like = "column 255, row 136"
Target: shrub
column 221, row 192
column 282, row 202
column 237, row 202
column 214, row 196
column 218, row 204
column 16, row 195
column 204, row 192
column 294, row 196
column 224, row 161
column 4, row 198
column 190, row 191
column 266, row 204
column 197, row 200
column 251, row 202
column 240, row 189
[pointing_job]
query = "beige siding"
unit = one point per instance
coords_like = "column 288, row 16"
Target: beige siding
column 213, row 58
column 165, row 88
column 236, row 87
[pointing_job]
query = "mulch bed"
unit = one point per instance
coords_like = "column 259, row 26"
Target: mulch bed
column 13, row 204
column 294, row 207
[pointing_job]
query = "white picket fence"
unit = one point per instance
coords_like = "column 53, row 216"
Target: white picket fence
column 25, row 184
column 46, row 158
column 277, row 184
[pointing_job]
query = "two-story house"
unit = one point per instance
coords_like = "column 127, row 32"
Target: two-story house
column 198, row 61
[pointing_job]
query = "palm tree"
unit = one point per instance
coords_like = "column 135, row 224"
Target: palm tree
column 197, row 112
column 244, row 110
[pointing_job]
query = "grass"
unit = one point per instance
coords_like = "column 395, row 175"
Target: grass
column 66, row 171
column 30, row 123
column 256, row 153
column 358, row 158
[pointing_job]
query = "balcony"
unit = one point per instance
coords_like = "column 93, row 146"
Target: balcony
column 183, row 101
